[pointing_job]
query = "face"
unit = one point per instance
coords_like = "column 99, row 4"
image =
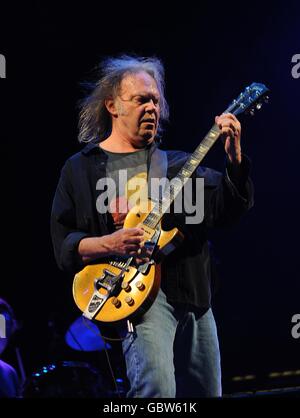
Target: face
column 137, row 109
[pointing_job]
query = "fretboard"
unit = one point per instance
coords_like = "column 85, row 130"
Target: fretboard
column 178, row 182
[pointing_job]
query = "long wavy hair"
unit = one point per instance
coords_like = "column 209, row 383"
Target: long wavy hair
column 94, row 120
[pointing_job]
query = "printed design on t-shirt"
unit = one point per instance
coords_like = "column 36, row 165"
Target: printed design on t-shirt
column 130, row 194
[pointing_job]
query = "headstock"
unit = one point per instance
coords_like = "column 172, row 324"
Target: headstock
column 250, row 100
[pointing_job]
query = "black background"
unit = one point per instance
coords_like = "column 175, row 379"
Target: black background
column 211, row 52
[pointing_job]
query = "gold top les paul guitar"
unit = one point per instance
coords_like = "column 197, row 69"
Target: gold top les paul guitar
column 113, row 291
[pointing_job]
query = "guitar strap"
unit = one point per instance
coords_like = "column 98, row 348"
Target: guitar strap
column 157, row 169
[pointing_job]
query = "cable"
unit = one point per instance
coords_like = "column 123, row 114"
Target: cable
column 105, row 338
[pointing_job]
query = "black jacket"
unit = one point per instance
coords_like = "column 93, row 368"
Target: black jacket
column 186, row 273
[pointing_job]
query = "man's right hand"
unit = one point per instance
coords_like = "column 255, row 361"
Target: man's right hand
column 125, row 241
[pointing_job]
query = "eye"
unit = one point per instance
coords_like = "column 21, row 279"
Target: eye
column 142, row 99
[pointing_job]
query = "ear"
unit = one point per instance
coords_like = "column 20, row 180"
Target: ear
column 111, row 107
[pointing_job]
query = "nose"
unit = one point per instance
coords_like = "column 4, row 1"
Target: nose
column 151, row 106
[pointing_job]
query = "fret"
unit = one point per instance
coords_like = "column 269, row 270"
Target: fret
column 208, row 142
column 193, row 161
column 212, row 134
column 203, row 148
column 186, row 171
column 177, row 181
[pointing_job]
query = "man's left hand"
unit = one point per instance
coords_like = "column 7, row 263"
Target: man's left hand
column 231, row 135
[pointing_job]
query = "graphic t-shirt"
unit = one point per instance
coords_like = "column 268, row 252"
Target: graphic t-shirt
column 129, row 174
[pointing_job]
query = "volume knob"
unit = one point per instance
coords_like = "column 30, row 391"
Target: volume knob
column 140, row 285
column 126, row 287
column 116, row 302
column 129, row 300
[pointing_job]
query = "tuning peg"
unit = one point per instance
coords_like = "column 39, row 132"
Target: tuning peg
column 258, row 105
column 266, row 99
column 252, row 112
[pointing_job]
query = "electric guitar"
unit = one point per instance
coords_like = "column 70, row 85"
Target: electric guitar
column 120, row 289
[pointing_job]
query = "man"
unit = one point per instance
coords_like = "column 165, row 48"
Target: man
column 172, row 349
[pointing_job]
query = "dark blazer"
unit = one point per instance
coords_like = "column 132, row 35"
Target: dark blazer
column 186, row 273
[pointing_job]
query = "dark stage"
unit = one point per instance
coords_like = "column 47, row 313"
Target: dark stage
column 211, row 53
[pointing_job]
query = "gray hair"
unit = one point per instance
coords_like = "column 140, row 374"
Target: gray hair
column 94, row 119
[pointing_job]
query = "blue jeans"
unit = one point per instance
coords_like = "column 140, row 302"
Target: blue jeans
column 173, row 352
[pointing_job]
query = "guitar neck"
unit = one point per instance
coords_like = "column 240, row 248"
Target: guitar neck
column 178, row 182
